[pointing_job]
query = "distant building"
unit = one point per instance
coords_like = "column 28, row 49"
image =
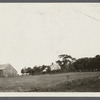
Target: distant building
column 53, row 67
column 7, row 70
column 45, row 70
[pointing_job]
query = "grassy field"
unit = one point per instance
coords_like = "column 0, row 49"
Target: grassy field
column 80, row 85
column 43, row 82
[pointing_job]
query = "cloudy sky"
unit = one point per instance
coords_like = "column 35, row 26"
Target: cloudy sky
column 35, row 34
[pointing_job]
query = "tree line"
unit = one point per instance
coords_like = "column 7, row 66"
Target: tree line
column 67, row 64
column 88, row 64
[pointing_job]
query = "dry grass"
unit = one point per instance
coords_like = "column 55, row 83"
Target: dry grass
column 39, row 82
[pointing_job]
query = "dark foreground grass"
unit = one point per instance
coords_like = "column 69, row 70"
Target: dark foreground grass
column 80, row 85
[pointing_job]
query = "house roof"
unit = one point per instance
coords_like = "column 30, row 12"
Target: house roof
column 45, row 69
column 55, row 66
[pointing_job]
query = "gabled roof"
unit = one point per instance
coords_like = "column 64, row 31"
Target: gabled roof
column 3, row 66
column 55, row 66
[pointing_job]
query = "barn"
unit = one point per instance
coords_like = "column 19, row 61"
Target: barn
column 7, row 70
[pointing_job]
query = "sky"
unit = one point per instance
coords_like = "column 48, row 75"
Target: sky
column 36, row 33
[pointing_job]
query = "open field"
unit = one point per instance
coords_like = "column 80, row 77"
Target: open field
column 39, row 82
column 80, row 85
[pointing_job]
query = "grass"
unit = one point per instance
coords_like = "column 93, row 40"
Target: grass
column 80, row 85
column 47, row 82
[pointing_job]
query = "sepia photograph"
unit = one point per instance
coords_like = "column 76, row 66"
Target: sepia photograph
column 49, row 47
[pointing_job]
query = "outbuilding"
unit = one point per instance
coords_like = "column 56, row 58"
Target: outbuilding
column 7, row 70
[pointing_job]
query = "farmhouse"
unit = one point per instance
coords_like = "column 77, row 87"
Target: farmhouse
column 6, row 70
column 55, row 66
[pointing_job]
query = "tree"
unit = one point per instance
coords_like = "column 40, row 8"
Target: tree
column 22, row 71
column 48, row 69
column 29, row 70
column 37, row 70
column 43, row 67
column 66, row 61
column 65, row 57
column 88, row 64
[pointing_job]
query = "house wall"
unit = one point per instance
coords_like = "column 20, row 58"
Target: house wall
column 1, row 73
